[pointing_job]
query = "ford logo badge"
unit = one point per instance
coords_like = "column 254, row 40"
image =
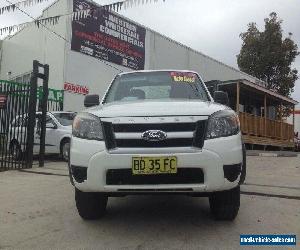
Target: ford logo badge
column 154, row 135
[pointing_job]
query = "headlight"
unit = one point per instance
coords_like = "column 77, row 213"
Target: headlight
column 223, row 123
column 87, row 126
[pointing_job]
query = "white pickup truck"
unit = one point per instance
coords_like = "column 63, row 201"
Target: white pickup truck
column 157, row 132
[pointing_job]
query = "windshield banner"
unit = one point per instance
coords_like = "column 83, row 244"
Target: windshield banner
column 186, row 77
column 107, row 36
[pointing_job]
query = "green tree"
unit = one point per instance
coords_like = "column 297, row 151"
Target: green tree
column 268, row 56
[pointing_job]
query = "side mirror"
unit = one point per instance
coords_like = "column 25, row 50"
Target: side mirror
column 221, row 97
column 91, row 100
column 51, row 125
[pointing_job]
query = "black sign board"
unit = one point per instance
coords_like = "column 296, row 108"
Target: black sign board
column 107, row 36
column 3, row 101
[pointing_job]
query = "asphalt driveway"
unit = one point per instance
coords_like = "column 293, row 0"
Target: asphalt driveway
column 37, row 211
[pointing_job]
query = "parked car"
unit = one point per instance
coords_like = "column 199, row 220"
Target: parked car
column 157, row 132
column 58, row 134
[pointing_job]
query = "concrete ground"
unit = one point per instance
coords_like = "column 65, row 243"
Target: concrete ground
column 37, row 211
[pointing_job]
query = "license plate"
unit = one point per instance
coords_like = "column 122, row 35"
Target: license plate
column 154, row 165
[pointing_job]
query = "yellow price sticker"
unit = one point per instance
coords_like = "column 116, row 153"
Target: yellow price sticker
column 183, row 77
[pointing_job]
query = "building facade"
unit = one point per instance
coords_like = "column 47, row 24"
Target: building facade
column 86, row 52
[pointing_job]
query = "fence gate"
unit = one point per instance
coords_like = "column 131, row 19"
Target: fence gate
column 18, row 106
column 14, row 109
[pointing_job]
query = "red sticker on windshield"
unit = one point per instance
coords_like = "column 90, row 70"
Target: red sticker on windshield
column 184, row 77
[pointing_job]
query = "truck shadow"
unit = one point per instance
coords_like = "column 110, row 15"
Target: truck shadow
column 161, row 212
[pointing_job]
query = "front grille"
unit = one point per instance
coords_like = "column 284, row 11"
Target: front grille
column 183, row 176
column 139, row 143
column 108, row 133
column 167, row 127
column 196, row 139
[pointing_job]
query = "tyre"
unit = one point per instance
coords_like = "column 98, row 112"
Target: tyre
column 225, row 205
column 15, row 150
column 65, row 150
column 90, row 206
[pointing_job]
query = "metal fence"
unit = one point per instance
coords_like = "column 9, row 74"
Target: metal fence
column 13, row 128
column 15, row 105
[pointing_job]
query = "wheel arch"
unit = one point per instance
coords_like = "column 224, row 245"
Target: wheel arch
column 62, row 141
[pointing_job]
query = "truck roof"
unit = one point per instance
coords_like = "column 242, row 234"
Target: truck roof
column 160, row 70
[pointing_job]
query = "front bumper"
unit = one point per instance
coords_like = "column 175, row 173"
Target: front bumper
column 211, row 159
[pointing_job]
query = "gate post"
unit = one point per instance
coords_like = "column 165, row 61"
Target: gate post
column 32, row 113
column 45, row 78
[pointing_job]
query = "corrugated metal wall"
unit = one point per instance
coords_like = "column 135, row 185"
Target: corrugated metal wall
column 168, row 54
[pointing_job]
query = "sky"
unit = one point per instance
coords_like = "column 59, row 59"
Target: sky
column 211, row 27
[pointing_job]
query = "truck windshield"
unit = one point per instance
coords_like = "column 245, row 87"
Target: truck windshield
column 156, row 85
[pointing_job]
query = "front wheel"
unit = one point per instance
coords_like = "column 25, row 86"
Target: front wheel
column 65, row 150
column 225, row 205
column 90, row 206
